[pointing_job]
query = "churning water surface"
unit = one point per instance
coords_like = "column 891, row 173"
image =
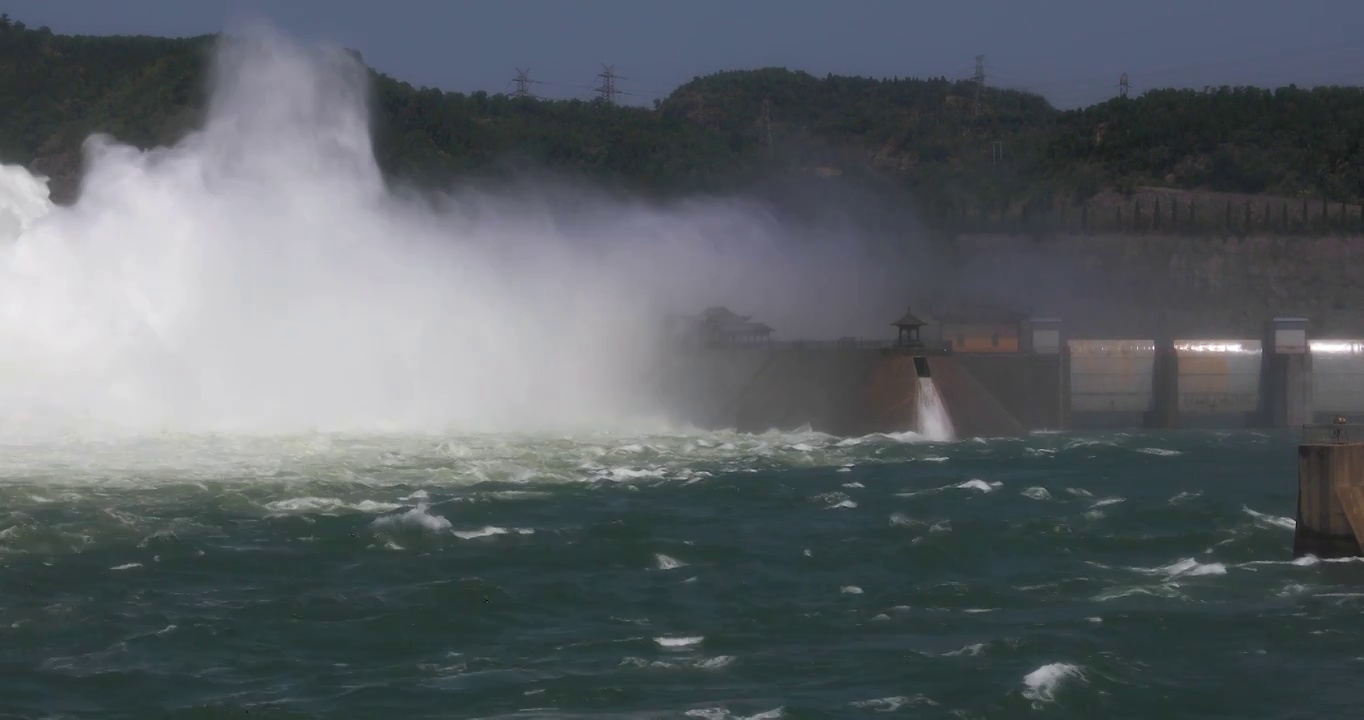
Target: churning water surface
column 275, row 442
column 673, row 575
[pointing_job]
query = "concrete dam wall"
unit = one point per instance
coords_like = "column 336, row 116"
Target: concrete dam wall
column 1337, row 379
column 1048, row 383
column 1128, row 285
column 850, row 392
column 755, row 389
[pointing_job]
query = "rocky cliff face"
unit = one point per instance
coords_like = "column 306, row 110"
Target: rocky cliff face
column 1108, row 285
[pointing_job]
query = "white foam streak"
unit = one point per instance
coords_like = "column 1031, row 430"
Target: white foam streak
column 1186, row 567
column 1042, row 684
column 667, row 562
column 979, row 485
column 417, row 518
column 1274, row 521
column 678, row 642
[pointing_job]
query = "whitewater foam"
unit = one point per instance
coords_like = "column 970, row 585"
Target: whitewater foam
column 667, row 562
column 678, row 642
column 259, row 277
column 25, row 201
column 1042, row 684
column 934, row 422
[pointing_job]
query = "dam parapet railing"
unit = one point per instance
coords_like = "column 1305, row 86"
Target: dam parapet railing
column 1160, row 211
column 1332, row 434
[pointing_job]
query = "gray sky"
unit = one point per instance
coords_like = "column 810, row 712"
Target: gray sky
column 1071, row 51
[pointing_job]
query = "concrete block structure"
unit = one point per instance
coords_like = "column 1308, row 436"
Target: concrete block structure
column 1001, row 375
column 1286, row 391
column 1330, row 516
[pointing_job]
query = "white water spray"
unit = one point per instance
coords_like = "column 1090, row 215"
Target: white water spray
column 259, row 277
column 934, row 422
column 23, row 200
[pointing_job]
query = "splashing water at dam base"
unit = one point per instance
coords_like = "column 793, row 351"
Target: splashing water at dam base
column 688, row 575
column 934, row 421
column 276, row 440
column 259, row 277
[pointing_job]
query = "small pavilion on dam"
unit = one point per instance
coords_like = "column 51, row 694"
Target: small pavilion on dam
column 910, row 328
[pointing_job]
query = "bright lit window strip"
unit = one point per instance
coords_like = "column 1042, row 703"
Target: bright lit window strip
column 1111, row 347
column 1220, row 347
column 1225, row 347
column 1336, row 347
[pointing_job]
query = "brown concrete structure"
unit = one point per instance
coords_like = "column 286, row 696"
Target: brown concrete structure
column 981, row 329
column 891, row 394
column 1330, row 517
column 975, row 411
column 728, row 373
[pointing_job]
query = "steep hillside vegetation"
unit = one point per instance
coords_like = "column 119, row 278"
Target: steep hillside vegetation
column 959, row 154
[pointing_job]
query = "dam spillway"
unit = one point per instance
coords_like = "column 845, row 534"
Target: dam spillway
column 841, row 391
column 1018, row 378
column 727, row 374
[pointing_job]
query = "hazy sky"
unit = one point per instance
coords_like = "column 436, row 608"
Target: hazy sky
column 1071, row 51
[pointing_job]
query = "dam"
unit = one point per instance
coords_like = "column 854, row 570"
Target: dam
column 728, row 373
column 1000, row 374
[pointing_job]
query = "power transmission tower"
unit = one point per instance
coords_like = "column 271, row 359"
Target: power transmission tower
column 608, row 87
column 979, row 80
column 1122, row 85
column 523, row 83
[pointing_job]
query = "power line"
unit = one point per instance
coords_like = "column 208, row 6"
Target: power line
column 523, row 83
column 1083, row 89
column 608, row 88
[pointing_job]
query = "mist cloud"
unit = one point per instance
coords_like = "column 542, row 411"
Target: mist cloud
column 259, row 276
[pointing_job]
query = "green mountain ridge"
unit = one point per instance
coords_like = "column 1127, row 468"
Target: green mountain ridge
column 957, row 152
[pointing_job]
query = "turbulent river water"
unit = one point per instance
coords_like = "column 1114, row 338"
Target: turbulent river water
column 686, row 575
column 313, row 541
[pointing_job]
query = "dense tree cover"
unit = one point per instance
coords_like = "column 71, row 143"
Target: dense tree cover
column 958, row 151
column 55, row 90
column 1289, row 141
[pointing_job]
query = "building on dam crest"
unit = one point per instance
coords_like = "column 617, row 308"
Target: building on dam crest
column 981, row 328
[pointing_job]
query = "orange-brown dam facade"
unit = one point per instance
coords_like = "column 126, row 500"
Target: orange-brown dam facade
column 729, row 374
column 999, row 378
column 837, row 390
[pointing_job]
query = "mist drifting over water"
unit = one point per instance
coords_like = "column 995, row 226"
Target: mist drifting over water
column 260, row 277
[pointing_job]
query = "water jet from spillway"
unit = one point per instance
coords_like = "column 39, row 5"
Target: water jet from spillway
column 259, row 277
column 931, row 417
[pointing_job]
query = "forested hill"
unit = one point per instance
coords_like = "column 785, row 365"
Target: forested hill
column 957, row 150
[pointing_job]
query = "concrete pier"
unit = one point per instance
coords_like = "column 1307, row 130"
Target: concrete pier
column 1164, row 412
column 1047, row 342
column 1286, row 370
column 1330, row 518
